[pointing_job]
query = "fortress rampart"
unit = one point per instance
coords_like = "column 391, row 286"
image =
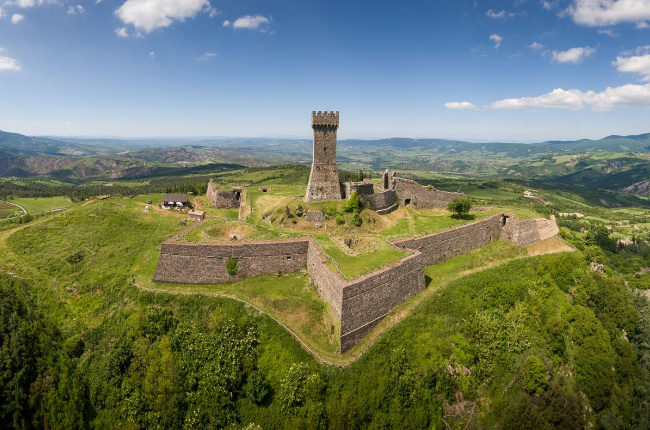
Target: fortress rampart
column 358, row 304
column 226, row 199
column 529, row 231
column 411, row 193
column 205, row 263
column 379, row 201
column 442, row 246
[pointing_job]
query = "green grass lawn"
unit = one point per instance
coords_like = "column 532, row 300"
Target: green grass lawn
column 36, row 205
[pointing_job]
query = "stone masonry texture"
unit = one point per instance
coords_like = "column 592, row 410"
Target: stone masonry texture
column 324, row 177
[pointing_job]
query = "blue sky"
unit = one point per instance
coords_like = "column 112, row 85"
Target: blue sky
column 519, row 70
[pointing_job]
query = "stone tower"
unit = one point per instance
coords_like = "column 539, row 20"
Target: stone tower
column 324, row 177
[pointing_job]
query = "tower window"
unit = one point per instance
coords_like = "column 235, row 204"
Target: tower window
column 324, row 148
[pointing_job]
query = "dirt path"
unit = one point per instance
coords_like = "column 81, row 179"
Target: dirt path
column 15, row 216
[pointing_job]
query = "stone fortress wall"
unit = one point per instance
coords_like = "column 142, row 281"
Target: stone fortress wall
column 409, row 192
column 379, row 201
column 358, row 304
column 438, row 247
column 225, row 199
column 205, row 263
column 529, row 231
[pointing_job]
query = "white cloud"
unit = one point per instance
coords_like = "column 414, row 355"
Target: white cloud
column 207, row 56
column 7, row 63
column 597, row 13
column 496, row 15
column 25, row 4
column 548, row 5
column 608, row 31
column 496, row 39
column 248, row 22
column 573, row 55
column 76, row 9
column 16, row 18
column 2, row 13
column 149, row 15
column 642, row 25
column 536, row 46
column 152, row 55
column 624, row 96
column 460, row 106
column 121, row 32
column 502, row 14
column 637, row 64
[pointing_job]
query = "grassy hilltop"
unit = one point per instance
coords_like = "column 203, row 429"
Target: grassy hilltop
column 554, row 335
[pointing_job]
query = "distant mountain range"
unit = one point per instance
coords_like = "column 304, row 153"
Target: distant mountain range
column 611, row 162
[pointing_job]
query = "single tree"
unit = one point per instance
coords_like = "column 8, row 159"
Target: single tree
column 459, row 206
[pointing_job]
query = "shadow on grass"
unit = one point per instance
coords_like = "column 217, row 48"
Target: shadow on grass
column 468, row 217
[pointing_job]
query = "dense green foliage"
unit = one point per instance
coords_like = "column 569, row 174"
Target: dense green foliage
column 459, row 207
column 231, row 266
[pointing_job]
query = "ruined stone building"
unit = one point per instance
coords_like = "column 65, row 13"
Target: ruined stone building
column 411, row 193
column 224, row 199
column 324, row 176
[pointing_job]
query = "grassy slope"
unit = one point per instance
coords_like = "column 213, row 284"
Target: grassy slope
column 42, row 204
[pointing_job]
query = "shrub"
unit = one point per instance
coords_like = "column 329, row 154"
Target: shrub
column 340, row 220
column 356, row 219
column 533, row 375
column 459, row 206
column 231, row 266
column 353, row 204
column 256, row 388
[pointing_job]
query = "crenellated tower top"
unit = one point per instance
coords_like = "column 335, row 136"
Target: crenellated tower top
column 325, row 118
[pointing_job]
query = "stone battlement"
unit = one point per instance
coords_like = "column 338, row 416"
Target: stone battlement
column 325, row 118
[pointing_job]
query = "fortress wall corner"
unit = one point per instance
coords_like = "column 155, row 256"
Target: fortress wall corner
column 367, row 300
column 328, row 283
column 378, row 201
column 529, row 231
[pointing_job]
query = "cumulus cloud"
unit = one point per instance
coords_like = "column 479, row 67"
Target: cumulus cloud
column 149, row 15
column 248, row 22
column 460, row 106
column 598, row 13
column 496, row 39
column 573, row 55
column 536, row 46
column 26, row 4
column 637, row 64
column 121, row 32
column 8, row 63
column 624, row 96
column 16, row 18
column 76, row 9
